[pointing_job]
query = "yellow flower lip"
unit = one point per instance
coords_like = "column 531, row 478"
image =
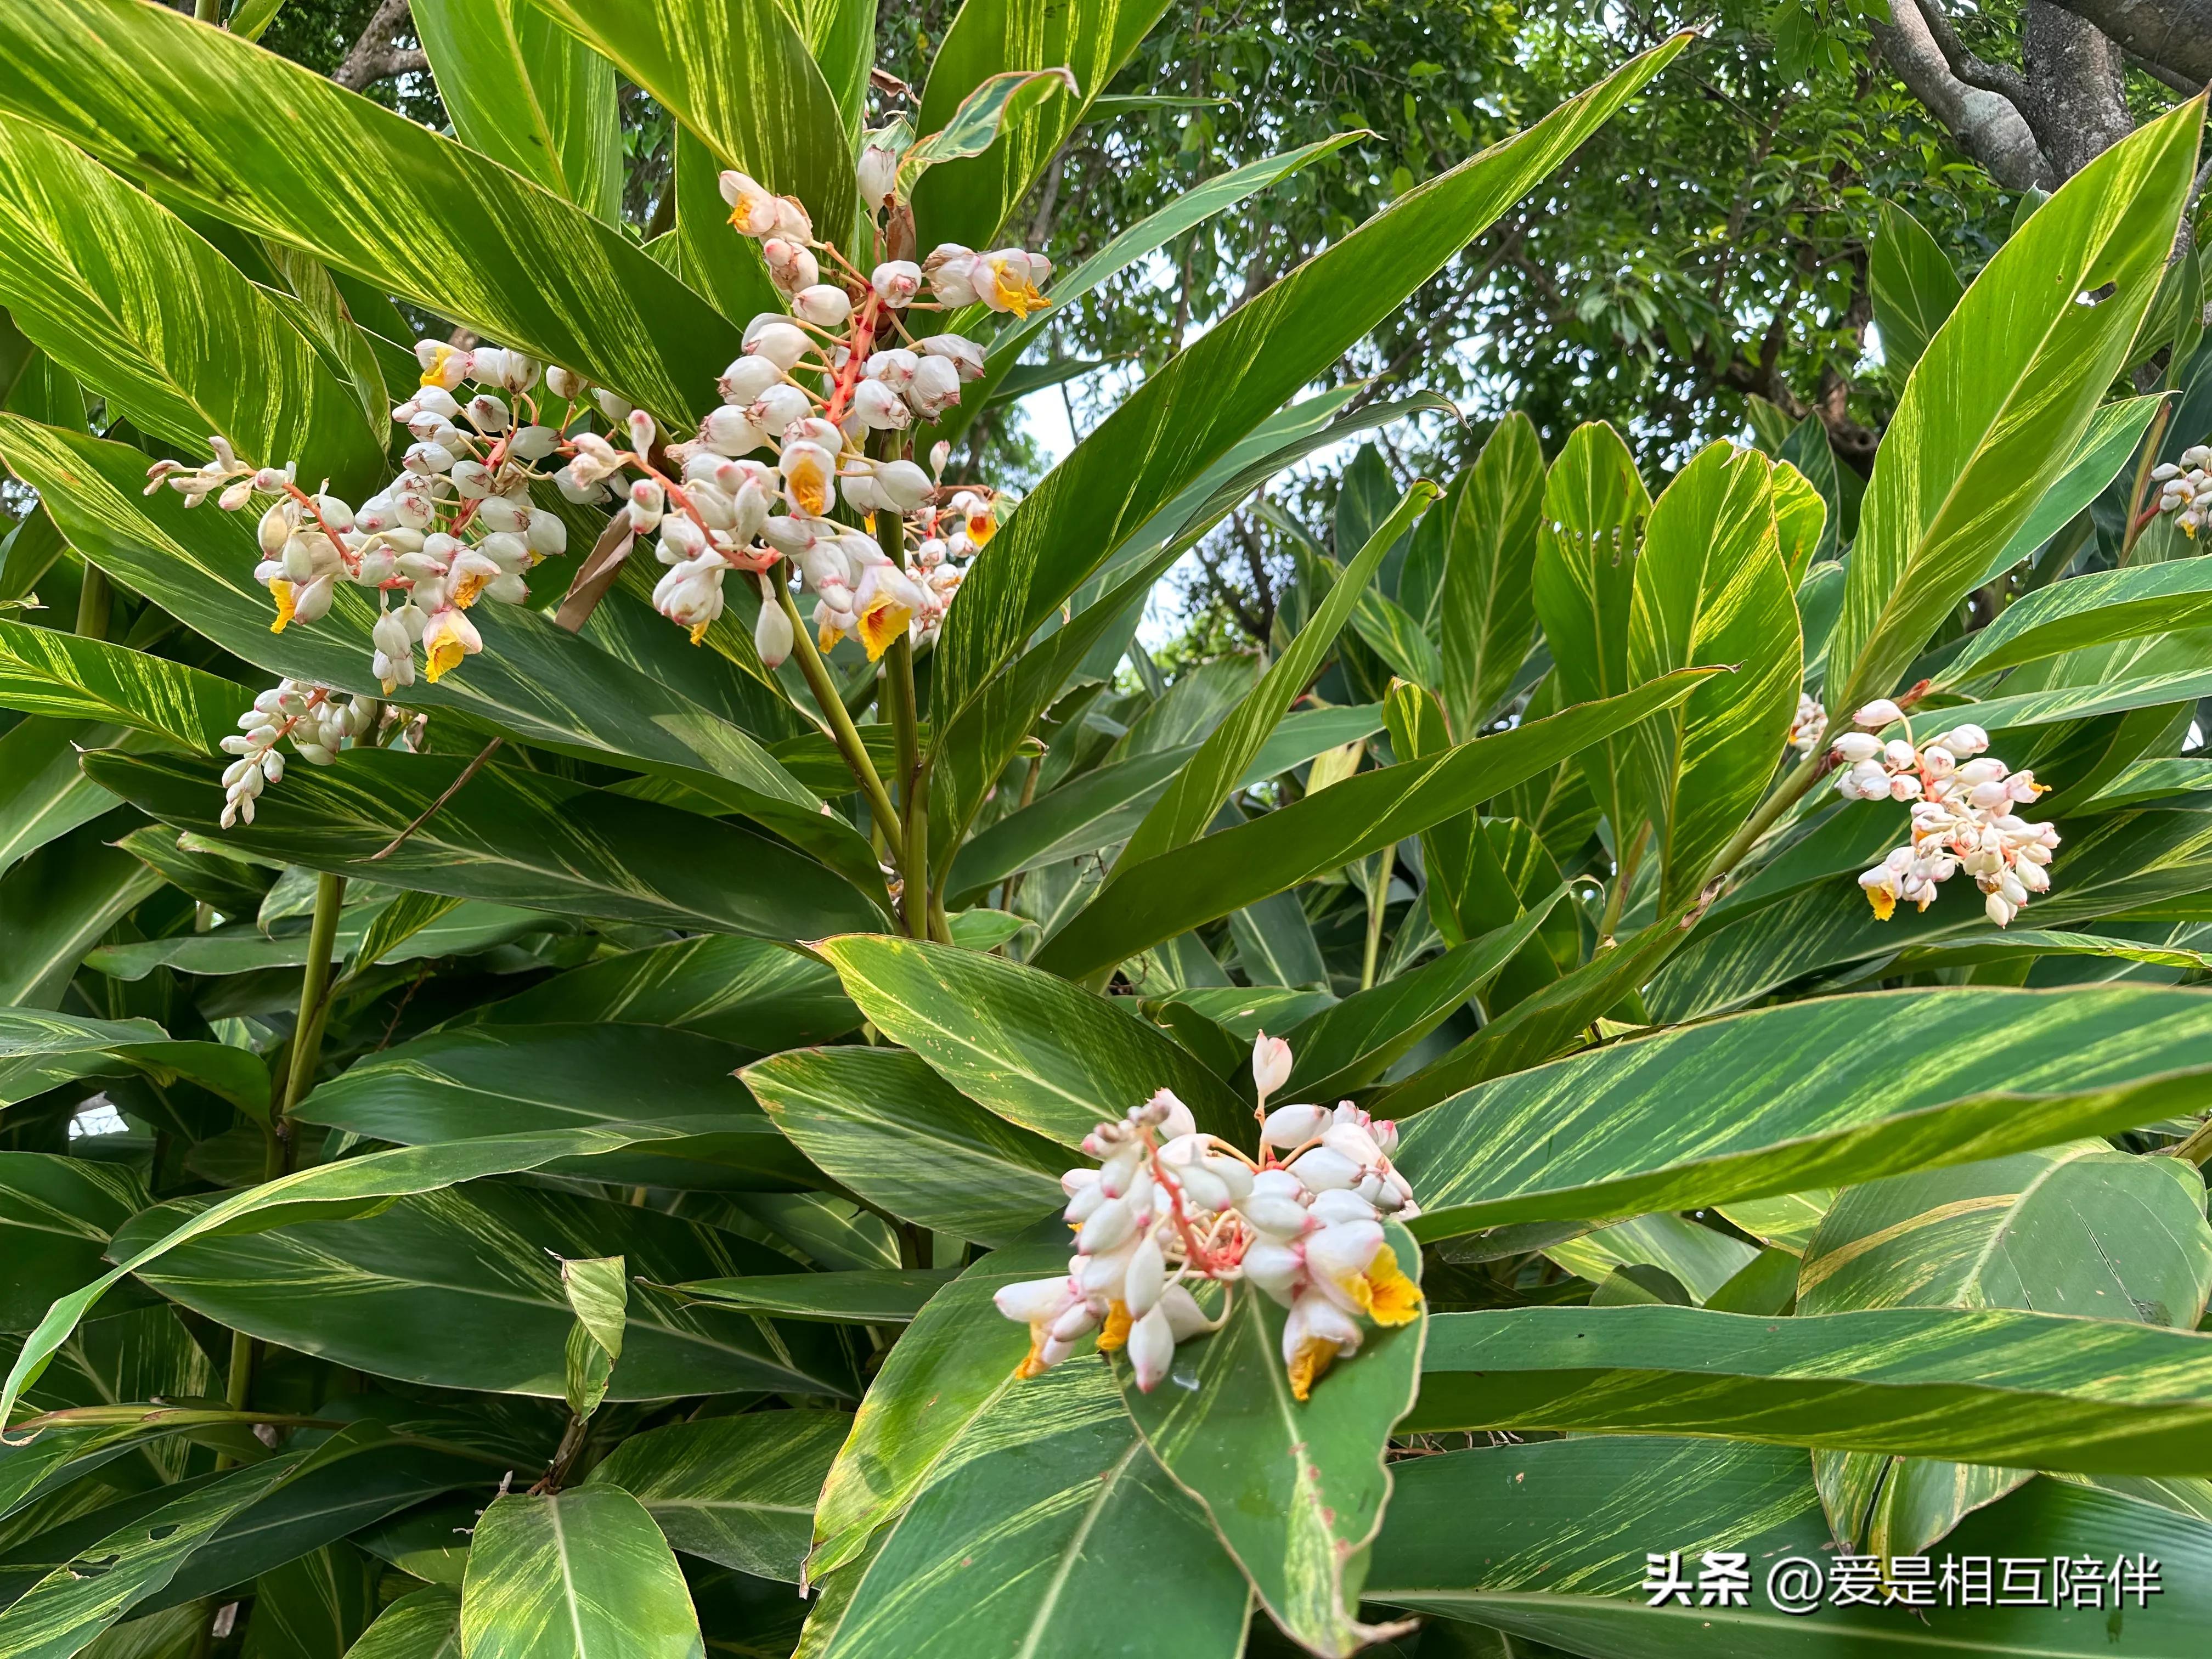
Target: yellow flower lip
column 883, row 621
column 281, row 590
column 445, row 656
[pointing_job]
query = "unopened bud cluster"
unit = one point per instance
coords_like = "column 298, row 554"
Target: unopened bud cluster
column 1964, row 815
column 2186, row 489
column 315, row 719
column 1168, row 1205
column 1811, row 725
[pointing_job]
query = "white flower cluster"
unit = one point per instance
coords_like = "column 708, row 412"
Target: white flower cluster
column 1963, row 815
column 1810, row 725
column 316, row 720
column 456, row 524
column 2188, row 490
column 813, row 388
column 1167, row 1204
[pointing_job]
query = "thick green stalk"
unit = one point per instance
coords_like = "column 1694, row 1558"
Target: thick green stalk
column 95, row 603
column 1378, row 898
column 297, row 1075
column 1793, row 789
column 2138, row 521
column 841, row 729
column 308, row 1033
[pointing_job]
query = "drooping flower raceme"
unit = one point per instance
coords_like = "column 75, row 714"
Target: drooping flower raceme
column 1964, row 815
column 2186, row 489
column 1167, row 1207
column 803, row 468
column 829, row 389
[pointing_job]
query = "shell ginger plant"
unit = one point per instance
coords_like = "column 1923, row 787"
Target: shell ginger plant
column 758, row 1093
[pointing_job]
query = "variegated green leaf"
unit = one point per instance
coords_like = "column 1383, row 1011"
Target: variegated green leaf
column 522, row 838
column 860, row 1296
column 350, row 1186
column 63, row 1612
column 119, row 291
column 506, row 1078
column 582, row 1574
column 996, row 103
column 2079, row 1230
column 1103, row 805
column 44, row 793
column 1296, row 1487
column 54, row 907
column 2108, row 445
column 38, row 1050
column 1912, row 286
column 1801, row 520
column 525, row 91
column 1196, row 792
column 463, row 1288
column 1029, row 1536
column 1032, row 1047
column 57, row 1215
column 1189, row 414
column 1145, row 903
column 1595, row 504
column 953, row 1367
column 2005, row 390
column 736, row 1489
column 1488, row 600
column 423, row 1624
column 740, row 77
column 1802, row 1096
column 45, row 671
column 364, row 189
column 1348, row 1045
column 1978, row 1386
column 1087, row 40
column 2093, row 610
column 1552, row 1541
column 760, row 995
column 1710, row 587
column 886, row 1126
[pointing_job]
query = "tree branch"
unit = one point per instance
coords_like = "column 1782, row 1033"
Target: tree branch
column 2002, row 79
column 374, row 58
column 1986, row 124
column 2173, row 34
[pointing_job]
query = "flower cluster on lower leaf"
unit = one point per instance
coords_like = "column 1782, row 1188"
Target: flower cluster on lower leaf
column 1964, row 815
column 1167, row 1207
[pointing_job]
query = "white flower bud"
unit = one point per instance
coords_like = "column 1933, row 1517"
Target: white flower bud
column 772, row 634
column 825, row 304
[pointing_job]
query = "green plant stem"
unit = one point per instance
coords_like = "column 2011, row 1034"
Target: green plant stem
column 95, row 603
column 1792, row 790
column 904, row 708
column 314, row 1001
column 916, row 897
column 2137, row 523
column 1378, row 897
column 841, row 729
column 298, row 1075
column 208, row 11
column 2197, row 1148
column 1616, row 892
